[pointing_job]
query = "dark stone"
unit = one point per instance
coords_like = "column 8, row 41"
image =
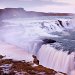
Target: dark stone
column 1, row 56
column 69, row 52
column 33, row 56
column 36, row 61
column 60, row 22
column 47, row 41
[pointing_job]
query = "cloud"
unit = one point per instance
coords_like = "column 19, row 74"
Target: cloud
column 65, row 1
column 54, row 8
column 24, row 0
column 41, row 5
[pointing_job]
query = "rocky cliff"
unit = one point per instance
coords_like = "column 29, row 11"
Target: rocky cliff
column 20, row 12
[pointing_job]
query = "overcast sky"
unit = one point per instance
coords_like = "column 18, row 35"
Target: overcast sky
column 67, row 6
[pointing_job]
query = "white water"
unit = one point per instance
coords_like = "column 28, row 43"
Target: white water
column 28, row 34
column 57, row 60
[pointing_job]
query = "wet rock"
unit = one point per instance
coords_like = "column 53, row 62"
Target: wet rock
column 69, row 52
column 36, row 61
column 1, row 56
column 59, row 73
column 44, row 70
column 32, row 72
column 47, row 41
column 10, row 67
column 60, row 22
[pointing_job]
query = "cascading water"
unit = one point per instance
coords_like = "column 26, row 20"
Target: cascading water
column 29, row 35
column 57, row 60
column 60, row 56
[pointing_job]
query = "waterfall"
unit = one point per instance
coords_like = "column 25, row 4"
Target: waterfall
column 57, row 60
column 28, row 35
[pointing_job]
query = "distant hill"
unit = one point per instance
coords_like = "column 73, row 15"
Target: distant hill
column 21, row 13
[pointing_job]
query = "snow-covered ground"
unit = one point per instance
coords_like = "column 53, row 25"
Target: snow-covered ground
column 14, row 52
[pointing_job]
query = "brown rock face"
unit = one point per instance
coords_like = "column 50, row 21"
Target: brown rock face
column 36, row 61
column 11, row 67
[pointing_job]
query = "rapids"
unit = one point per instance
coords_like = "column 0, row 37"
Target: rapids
column 28, row 35
column 57, row 60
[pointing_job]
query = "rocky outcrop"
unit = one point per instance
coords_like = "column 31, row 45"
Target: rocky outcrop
column 36, row 61
column 60, row 23
column 48, row 41
column 11, row 67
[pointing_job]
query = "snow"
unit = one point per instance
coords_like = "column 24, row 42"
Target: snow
column 14, row 52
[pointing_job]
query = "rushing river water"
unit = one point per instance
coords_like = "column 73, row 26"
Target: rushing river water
column 66, row 40
column 28, row 34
